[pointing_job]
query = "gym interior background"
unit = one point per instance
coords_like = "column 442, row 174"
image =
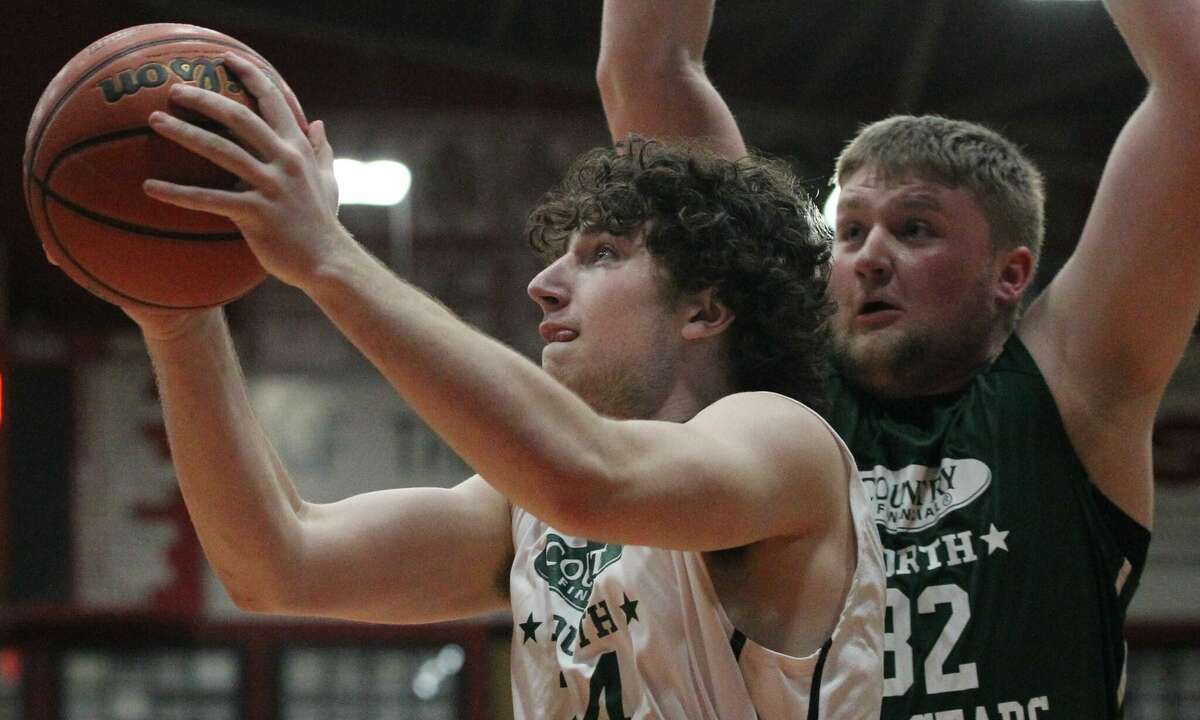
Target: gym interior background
column 107, row 607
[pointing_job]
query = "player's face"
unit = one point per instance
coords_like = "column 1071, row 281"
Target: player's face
column 612, row 334
column 912, row 278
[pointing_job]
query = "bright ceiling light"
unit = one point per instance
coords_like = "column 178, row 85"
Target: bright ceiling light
column 829, row 210
column 380, row 182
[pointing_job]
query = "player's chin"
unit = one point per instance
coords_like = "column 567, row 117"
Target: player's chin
column 863, row 352
column 553, row 360
column 850, row 339
column 558, row 350
column 865, row 370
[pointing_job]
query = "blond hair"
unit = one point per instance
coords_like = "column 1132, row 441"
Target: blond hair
column 960, row 154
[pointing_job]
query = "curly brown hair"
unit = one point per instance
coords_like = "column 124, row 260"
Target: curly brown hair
column 744, row 227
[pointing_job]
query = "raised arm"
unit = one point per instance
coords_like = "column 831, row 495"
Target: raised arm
column 1112, row 326
column 412, row 555
column 651, row 74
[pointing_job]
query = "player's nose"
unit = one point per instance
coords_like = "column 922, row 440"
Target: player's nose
column 550, row 287
column 873, row 260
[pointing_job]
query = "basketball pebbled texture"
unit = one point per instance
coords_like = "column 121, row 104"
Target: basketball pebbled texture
column 89, row 148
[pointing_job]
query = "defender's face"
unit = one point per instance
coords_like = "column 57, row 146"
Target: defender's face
column 611, row 333
column 911, row 276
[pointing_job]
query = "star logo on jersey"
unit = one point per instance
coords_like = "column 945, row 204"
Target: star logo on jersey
column 995, row 538
column 571, row 570
column 529, row 628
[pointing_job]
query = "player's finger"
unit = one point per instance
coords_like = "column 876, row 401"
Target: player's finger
column 320, row 142
column 324, row 154
column 271, row 104
column 210, row 200
column 242, row 122
column 209, row 145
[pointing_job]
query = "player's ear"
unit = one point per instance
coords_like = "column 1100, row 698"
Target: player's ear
column 705, row 315
column 1015, row 273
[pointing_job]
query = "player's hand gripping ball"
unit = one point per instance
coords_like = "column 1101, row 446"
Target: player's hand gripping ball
column 89, row 148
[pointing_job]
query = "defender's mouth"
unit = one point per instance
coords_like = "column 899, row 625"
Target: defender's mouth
column 875, row 306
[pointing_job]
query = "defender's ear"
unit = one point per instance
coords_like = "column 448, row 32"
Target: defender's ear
column 705, row 315
column 1014, row 276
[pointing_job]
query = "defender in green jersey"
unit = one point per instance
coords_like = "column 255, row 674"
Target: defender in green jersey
column 1009, row 458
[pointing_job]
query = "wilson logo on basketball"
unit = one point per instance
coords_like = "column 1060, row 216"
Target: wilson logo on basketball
column 205, row 73
column 570, row 571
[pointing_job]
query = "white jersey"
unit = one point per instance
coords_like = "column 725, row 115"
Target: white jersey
column 605, row 631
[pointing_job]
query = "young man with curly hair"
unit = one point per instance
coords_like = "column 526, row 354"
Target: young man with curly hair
column 674, row 537
column 1008, row 458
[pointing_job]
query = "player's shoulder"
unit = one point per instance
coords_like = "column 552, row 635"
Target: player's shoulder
column 798, row 450
column 774, row 422
column 775, row 405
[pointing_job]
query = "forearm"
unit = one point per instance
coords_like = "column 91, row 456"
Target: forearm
column 241, row 502
column 651, row 73
column 525, row 433
column 1164, row 38
column 656, row 37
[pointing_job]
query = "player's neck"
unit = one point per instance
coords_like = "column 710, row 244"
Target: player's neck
column 930, row 380
column 691, row 394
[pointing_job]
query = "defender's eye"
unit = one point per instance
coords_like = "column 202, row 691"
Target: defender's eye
column 850, row 233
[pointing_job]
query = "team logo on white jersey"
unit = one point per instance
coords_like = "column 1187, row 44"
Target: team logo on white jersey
column 571, row 571
column 915, row 497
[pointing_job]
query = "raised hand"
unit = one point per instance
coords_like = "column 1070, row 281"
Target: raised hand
column 286, row 204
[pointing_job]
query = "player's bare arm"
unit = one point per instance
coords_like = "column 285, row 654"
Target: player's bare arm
column 637, row 482
column 1112, row 326
column 530, row 437
column 651, row 74
column 735, row 462
column 412, row 555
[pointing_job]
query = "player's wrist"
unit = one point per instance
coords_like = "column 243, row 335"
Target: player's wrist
column 174, row 327
column 340, row 258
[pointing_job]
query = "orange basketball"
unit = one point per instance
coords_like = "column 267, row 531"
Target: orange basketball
column 89, row 147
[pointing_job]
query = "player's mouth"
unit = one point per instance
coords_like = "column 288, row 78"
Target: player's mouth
column 555, row 333
column 876, row 313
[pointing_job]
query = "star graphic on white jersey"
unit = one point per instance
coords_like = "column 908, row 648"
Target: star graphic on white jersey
column 995, row 539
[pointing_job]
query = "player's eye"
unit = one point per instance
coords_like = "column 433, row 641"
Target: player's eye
column 850, row 233
column 917, row 228
column 603, row 251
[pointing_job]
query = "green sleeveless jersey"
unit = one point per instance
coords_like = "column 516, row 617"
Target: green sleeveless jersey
column 1009, row 573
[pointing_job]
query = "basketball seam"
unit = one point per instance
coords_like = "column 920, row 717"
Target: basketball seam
column 47, row 194
column 109, row 288
column 44, row 184
column 132, row 227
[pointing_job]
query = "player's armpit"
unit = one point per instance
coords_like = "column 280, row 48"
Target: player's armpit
column 1110, row 329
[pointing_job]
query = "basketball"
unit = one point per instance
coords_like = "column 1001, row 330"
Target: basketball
column 89, row 147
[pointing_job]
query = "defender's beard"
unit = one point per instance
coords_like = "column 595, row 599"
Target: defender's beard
column 922, row 360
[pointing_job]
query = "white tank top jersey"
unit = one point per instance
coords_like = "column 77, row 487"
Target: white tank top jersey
column 609, row 632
